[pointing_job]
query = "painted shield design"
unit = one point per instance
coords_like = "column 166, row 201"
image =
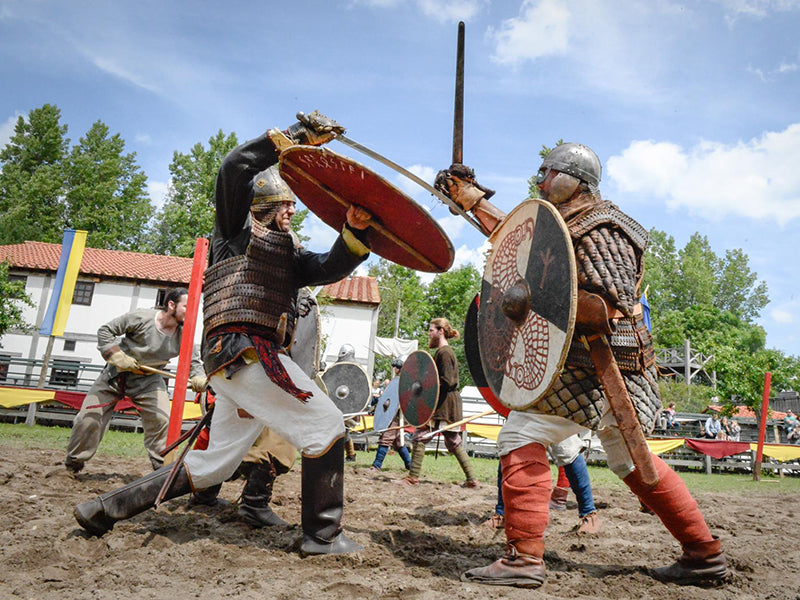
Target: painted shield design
column 305, row 348
column 387, row 406
column 348, row 387
column 527, row 305
column 403, row 232
column 419, row 388
column 473, row 355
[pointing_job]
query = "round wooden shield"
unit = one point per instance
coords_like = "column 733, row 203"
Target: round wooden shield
column 403, row 232
column 348, row 387
column 419, row 388
column 527, row 304
column 473, row 355
column 387, row 405
column 306, row 343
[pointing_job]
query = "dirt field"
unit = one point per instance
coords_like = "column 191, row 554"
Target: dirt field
column 417, row 543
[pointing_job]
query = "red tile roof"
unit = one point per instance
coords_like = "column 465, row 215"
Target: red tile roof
column 355, row 289
column 747, row 412
column 41, row 256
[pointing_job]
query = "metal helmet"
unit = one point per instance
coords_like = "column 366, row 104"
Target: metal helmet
column 346, row 353
column 397, row 363
column 270, row 188
column 574, row 159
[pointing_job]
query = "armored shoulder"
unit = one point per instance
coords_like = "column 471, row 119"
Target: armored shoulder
column 609, row 215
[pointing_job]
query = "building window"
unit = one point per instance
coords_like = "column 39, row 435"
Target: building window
column 5, row 361
column 64, row 372
column 84, row 290
column 69, row 345
column 160, row 297
column 18, row 278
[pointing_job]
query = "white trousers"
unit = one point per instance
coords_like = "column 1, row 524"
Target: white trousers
column 527, row 427
column 311, row 426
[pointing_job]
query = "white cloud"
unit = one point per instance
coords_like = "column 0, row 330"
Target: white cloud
column 541, row 29
column 7, row 129
column 157, row 190
column 450, row 10
column 756, row 179
column 452, row 225
column 143, row 138
column 782, row 316
column 413, row 189
column 469, row 255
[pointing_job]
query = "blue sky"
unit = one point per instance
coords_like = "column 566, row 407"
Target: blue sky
column 693, row 107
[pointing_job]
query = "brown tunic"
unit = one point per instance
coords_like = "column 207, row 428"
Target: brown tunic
column 448, row 408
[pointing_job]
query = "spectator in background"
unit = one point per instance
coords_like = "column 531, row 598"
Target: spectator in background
column 712, row 427
column 725, row 431
column 736, row 431
column 793, row 437
column 789, row 421
column 669, row 414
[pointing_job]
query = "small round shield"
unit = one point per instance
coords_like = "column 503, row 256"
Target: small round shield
column 348, row 387
column 419, row 388
column 305, row 348
column 527, row 304
column 473, row 356
column 402, row 231
column 387, row 405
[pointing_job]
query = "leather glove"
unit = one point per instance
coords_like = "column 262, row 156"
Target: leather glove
column 314, row 129
column 459, row 184
column 123, row 362
column 305, row 303
column 198, row 383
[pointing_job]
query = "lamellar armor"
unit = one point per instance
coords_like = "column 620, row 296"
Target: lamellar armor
column 256, row 289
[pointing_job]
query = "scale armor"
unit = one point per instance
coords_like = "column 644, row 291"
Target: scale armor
column 608, row 250
column 256, row 288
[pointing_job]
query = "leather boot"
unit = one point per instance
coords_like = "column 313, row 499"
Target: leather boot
column 590, row 524
column 322, row 492
column 208, row 497
column 99, row 515
column 558, row 498
column 518, row 569
column 466, row 465
column 350, row 449
column 255, row 509
column 701, row 562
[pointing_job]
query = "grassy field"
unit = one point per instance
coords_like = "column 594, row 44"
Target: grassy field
column 443, row 468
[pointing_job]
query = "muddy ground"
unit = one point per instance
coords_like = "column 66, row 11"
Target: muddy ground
column 417, row 541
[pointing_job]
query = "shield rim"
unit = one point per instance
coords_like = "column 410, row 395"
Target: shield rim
column 496, row 234
column 366, row 378
column 474, row 364
column 408, row 403
column 382, row 421
column 385, row 245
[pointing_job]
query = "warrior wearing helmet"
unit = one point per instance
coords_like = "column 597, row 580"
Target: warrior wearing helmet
column 609, row 247
column 255, row 270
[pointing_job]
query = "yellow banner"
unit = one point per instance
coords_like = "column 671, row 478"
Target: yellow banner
column 661, row 446
column 490, row 432
column 360, row 427
column 68, row 287
column 10, row 397
column 779, row 453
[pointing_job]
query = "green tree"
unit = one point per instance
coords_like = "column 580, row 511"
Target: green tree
column 738, row 289
column 399, row 286
column 188, row 211
column 449, row 295
column 106, row 191
column 31, row 179
column 13, row 296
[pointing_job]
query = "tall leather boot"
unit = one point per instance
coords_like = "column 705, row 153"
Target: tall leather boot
column 322, row 493
column 466, row 465
column 702, row 559
column 208, row 497
column 255, row 509
column 526, row 494
column 99, row 515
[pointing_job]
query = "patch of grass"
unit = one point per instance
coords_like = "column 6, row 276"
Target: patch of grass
column 115, row 443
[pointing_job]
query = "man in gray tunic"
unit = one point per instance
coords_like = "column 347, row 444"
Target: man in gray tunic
column 143, row 337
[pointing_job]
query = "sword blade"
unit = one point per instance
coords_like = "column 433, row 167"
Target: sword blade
column 458, row 110
column 405, row 172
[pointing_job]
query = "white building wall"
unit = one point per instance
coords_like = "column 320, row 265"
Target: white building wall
column 354, row 324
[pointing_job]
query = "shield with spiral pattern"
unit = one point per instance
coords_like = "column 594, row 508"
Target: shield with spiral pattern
column 527, row 304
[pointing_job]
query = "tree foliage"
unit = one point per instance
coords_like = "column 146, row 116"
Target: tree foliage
column 31, row 178
column 13, row 298
column 106, row 191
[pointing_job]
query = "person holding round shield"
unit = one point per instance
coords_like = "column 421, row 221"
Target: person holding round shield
column 609, row 377
column 256, row 267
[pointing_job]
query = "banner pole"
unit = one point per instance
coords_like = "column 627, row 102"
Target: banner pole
column 762, row 427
